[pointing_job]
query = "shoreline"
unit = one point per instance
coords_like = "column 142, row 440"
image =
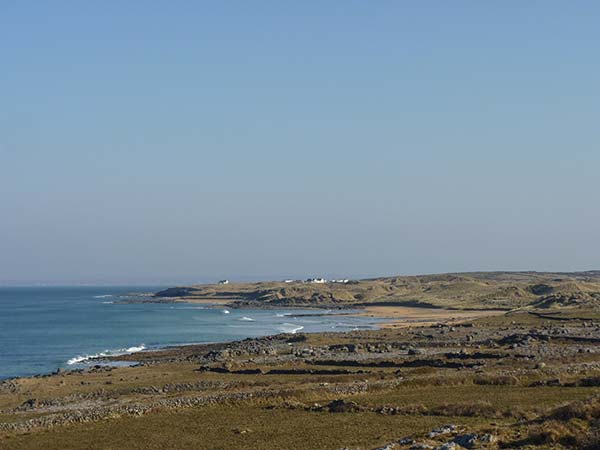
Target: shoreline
column 394, row 317
column 130, row 357
column 398, row 317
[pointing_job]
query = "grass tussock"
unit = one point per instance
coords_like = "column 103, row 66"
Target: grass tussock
column 585, row 410
column 496, row 380
column 480, row 380
column 575, row 425
column 465, row 409
column 573, row 434
column 552, row 432
column 475, row 409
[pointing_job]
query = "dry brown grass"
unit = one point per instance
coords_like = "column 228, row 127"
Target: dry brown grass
column 496, row 380
column 588, row 409
column 552, row 432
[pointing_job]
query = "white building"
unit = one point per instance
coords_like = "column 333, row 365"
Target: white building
column 223, row 281
column 316, row 280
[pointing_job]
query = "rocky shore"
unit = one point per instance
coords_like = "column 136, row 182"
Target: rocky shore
column 488, row 382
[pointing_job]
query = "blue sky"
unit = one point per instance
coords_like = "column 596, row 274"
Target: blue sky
column 188, row 141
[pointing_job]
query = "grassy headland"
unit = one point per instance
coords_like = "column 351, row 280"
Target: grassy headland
column 477, row 290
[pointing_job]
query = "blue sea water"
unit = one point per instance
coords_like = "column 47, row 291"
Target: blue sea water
column 44, row 328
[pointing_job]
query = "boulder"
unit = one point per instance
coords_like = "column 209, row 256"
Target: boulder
column 341, row 406
column 472, row 440
column 444, row 429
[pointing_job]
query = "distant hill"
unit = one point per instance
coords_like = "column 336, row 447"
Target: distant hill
column 474, row 290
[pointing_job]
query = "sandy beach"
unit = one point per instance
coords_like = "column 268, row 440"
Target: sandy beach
column 404, row 316
column 399, row 316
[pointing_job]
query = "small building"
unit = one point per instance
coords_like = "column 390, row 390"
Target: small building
column 223, row 281
column 316, row 280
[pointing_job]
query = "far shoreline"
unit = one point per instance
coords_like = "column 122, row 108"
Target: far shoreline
column 399, row 315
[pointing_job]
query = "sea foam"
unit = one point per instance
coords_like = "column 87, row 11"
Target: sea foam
column 290, row 328
column 106, row 353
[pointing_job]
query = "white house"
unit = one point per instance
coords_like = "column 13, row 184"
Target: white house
column 223, row 281
column 316, row 280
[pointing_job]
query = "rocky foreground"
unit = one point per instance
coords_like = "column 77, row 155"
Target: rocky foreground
column 524, row 379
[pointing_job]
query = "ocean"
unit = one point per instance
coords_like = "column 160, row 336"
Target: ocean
column 46, row 328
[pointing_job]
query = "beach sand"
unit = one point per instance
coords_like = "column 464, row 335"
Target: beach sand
column 399, row 316
column 405, row 316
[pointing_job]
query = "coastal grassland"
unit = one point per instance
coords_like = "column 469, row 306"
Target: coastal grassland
column 493, row 400
column 226, row 427
column 505, row 375
column 258, row 425
column 116, row 381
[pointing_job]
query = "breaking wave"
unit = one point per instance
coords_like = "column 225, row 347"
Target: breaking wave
column 103, row 296
column 246, row 319
column 290, row 328
column 106, row 353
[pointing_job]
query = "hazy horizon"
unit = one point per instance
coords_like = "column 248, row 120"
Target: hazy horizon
column 160, row 282
column 243, row 279
column 191, row 142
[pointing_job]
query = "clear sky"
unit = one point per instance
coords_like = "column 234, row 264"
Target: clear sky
column 177, row 141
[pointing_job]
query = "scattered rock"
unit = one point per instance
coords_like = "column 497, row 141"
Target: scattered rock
column 471, row 440
column 445, row 429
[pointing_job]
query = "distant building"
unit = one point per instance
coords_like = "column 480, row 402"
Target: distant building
column 316, row 280
column 223, row 281
column 344, row 281
column 288, row 281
